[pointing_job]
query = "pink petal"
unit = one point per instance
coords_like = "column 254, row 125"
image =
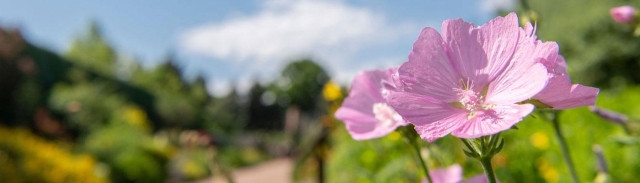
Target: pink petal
column 429, row 71
column 519, row 83
column 481, row 54
column 365, row 91
column 391, row 82
column 371, row 130
column 497, row 119
column 357, row 109
column 451, row 174
column 432, row 118
column 561, row 94
column 419, row 109
column 524, row 77
column 547, row 54
column 477, row 179
column 440, row 128
column 530, row 31
column 355, row 114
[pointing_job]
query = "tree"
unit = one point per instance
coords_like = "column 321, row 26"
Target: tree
column 93, row 51
column 301, row 83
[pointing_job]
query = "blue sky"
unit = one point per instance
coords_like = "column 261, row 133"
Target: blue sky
column 233, row 43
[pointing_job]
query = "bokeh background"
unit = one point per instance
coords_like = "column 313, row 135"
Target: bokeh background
column 244, row 91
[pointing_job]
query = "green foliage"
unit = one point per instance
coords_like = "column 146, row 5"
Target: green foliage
column 598, row 50
column 302, row 83
column 224, row 117
column 386, row 159
column 130, row 160
column 87, row 105
column 92, row 50
column 175, row 104
column 193, row 163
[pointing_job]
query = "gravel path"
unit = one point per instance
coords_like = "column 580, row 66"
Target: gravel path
column 278, row 170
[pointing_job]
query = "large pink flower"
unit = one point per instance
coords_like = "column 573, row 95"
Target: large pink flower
column 453, row 174
column 559, row 92
column 469, row 81
column 365, row 111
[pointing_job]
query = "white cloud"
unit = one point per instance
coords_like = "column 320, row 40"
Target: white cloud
column 494, row 5
column 222, row 87
column 261, row 43
column 218, row 87
column 281, row 30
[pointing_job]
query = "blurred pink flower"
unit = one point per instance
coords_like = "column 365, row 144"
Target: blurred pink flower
column 453, row 174
column 623, row 14
column 365, row 111
column 469, row 81
column 559, row 92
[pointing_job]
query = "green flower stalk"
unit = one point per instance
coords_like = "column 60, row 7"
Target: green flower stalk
column 410, row 137
column 483, row 149
column 563, row 144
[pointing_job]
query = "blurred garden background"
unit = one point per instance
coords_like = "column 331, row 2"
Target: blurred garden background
column 255, row 84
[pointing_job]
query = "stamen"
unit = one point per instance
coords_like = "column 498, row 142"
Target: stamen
column 384, row 114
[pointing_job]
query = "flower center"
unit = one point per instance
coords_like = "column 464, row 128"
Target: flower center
column 470, row 100
column 385, row 114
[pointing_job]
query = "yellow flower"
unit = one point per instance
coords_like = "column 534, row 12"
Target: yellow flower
column 540, row 140
column 548, row 172
column 137, row 117
column 394, row 136
column 331, row 91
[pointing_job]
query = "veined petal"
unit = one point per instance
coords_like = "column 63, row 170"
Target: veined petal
column 420, row 109
column 356, row 114
column 432, row 118
column 481, row 54
column 499, row 39
column 440, row 128
column 365, row 91
column 390, row 82
column 369, row 130
column 524, row 76
column 517, row 84
column 561, row 94
column 429, row 71
column 494, row 120
column 464, row 50
column 358, row 111
column 546, row 53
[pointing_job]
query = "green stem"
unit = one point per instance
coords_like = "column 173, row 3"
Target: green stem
column 565, row 150
column 488, row 170
column 416, row 147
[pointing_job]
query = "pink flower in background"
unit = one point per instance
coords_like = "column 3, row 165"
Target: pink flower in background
column 453, row 174
column 623, row 14
column 469, row 81
column 365, row 111
column 559, row 92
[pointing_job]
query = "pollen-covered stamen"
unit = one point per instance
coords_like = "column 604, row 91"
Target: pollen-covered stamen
column 470, row 100
column 385, row 114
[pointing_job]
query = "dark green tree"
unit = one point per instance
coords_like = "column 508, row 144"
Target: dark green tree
column 93, row 51
column 301, row 83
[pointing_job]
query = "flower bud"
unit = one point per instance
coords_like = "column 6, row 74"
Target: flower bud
column 623, row 14
column 610, row 115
